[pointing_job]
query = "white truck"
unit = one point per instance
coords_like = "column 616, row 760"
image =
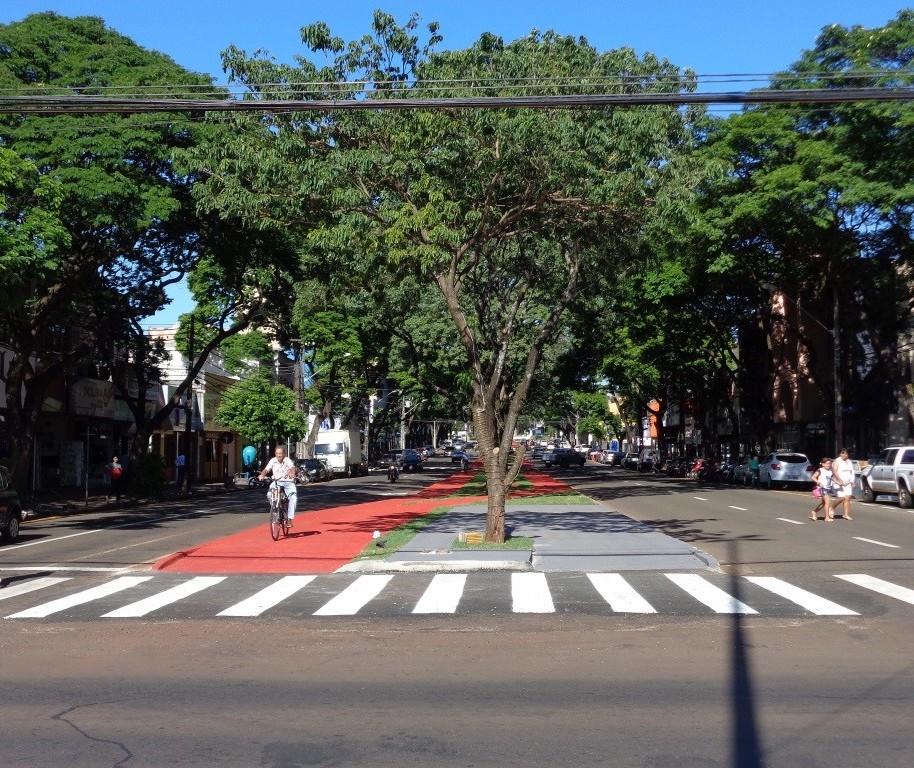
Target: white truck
column 891, row 474
column 342, row 450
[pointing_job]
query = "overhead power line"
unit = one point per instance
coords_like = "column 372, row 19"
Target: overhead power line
column 84, row 105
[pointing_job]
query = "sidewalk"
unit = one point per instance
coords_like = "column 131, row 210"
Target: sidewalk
column 567, row 537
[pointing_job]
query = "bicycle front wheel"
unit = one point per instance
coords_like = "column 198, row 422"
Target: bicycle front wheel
column 274, row 522
column 284, row 516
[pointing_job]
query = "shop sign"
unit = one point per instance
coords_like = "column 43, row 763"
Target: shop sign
column 91, row 397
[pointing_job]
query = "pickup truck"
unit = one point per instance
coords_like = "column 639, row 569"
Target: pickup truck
column 892, row 473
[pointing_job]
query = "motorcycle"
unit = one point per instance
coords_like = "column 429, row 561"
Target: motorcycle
column 393, row 472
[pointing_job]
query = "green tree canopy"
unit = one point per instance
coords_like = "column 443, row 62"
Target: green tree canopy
column 262, row 411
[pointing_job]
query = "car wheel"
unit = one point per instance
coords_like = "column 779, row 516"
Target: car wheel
column 904, row 497
column 866, row 492
column 11, row 532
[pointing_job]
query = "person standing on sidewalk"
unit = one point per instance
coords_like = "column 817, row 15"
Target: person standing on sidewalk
column 822, row 478
column 843, row 480
column 116, row 476
column 181, row 468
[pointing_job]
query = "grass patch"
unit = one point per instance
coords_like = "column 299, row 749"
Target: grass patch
column 477, row 485
column 553, row 498
column 511, row 543
column 400, row 535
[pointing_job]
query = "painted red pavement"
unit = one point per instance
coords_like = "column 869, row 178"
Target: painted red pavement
column 324, row 540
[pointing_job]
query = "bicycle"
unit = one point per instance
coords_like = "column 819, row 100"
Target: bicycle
column 279, row 508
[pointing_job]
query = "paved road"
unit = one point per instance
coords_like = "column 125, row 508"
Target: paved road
column 484, row 685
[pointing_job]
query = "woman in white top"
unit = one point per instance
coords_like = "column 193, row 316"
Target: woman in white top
column 822, row 478
column 844, row 482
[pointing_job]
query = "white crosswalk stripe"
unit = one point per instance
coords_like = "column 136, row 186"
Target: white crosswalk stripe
column 443, row 594
column 645, row 593
column 31, row 586
column 268, row 597
column 80, row 598
column 355, row 597
column 705, row 592
column 620, row 595
column 878, row 585
column 813, row 603
column 530, row 593
column 160, row 600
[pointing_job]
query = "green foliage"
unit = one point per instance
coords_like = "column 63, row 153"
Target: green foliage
column 261, row 411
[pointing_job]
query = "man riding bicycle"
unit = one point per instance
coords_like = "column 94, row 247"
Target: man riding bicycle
column 284, row 472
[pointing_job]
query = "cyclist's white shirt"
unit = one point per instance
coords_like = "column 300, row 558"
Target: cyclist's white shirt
column 282, row 470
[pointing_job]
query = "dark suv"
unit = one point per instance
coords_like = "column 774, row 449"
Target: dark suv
column 410, row 460
column 10, row 508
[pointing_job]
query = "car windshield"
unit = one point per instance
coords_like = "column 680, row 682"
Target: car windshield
column 324, row 449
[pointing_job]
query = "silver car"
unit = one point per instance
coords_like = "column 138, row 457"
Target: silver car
column 783, row 467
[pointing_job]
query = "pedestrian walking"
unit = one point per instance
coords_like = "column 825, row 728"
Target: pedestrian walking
column 822, row 478
column 115, row 476
column 843, row 481
column 180, row 468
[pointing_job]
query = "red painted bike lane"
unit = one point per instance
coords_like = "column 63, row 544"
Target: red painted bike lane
column 324, row 540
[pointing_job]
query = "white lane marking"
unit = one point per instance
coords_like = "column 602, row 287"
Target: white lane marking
column 788, row 520
column 620, row 595
column 80, row 598
column 741, row 509
column 269, row 596
column 705, row 592
column 873, row 541
column 530, row 593
column 443, row 594
column 31, row 586
column 699, row 498
column 358, row 594
column 878, row 585
column 51, row 540
column 169, row 596
column 811, row 602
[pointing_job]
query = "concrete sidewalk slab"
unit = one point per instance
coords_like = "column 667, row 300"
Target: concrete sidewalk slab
column 567, row 537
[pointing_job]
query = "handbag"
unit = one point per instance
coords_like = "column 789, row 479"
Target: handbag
column 817, row 492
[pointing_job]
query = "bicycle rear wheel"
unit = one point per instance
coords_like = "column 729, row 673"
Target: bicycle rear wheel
column 274, row 521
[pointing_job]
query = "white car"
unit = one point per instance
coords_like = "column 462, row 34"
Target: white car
column 784, row 467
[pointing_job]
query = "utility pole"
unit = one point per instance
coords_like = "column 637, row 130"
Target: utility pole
column 189, row 411
column 836, row 351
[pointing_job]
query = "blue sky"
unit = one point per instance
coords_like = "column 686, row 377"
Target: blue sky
column 709, row 36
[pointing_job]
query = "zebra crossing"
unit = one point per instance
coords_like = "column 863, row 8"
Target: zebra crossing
column 175, row 596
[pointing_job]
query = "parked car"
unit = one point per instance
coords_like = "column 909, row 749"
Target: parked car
column 563, row 457
column 314, row 470
column 892, row 473
column 647, row 458
column 612, row 458
column 10, row 508
column 538, row 451
column 678, row 466
column 429, row 451
column 630, row 461
column 783, row 467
